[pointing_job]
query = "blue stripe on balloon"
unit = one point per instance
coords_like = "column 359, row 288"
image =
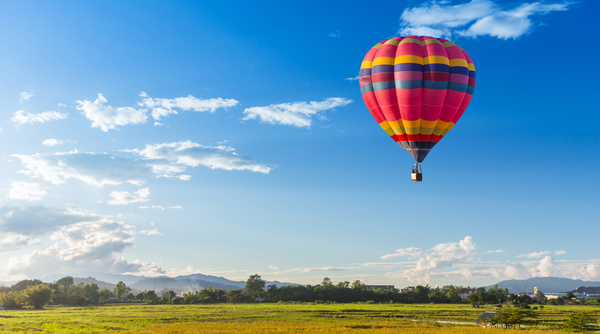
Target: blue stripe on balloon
column 437, row 68
column 383, row 69
column 430, row 84
column 459, row 87
column 409, row 84
column 408, row 67
column 383, row 85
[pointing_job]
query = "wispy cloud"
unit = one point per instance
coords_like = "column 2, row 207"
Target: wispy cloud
column 352, row 78
column 150, row 232
column 106, row 117
column 561, row 252
column 474, row 18
column 124, row 197
column 52, row 142
column 169, row 160
column 26, row 191
column 152, row 207
column 24, row 96
column 336, row 33
column 297, row 114
column 493, row 251
column 411, row 251
column 534, row 255
column 20, row 118
column 164, row 107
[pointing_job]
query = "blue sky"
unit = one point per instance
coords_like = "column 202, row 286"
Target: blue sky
column 231, row 139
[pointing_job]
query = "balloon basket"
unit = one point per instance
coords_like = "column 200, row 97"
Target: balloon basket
column 417, row 173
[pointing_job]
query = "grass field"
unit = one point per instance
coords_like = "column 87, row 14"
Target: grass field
column 264, row 318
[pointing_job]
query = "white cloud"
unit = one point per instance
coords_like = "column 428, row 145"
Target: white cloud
column 334, row 34
column 472, row 19
column 592, row 271
column 188, row 154
column 95, row 169
column 24, row 96
column 124, row 197
column 545, row 268
column 534, row 255
column 352, row 78
column 26, row 191
column 153, row 207
column 20, row 118
column 168, row 160
column 561, row 252
column 22, row 226
column 175, row 207
column 297, row 114
column 150, row 232
column 164, row 107
column 158, row 124
column 52, row 142
column 81, row 242
column 61, row 105
column 273, row 267
column 444, row 255
column 493, row 251
column 411, row 251
column 516, row 270
column 106, row 117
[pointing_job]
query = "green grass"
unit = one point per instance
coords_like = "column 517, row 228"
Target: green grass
column 121, row 317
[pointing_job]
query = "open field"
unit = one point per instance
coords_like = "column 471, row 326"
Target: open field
column 267, row 318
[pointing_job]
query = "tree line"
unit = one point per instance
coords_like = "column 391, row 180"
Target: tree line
column 36, row 294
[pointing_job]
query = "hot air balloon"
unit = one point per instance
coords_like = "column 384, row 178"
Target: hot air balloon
column 417, row 88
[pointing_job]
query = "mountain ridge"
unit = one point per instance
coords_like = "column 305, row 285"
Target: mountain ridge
column 544, row 284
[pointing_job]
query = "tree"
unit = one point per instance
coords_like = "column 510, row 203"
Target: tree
column 327, row 283
column 234, row 295
column 121, row 289
column 170, row 295
column 11, row 299
column 511, row 317
column 579, row 321
column 37, row 296
column 474, row 299
column 255, row 286
column 358, row 285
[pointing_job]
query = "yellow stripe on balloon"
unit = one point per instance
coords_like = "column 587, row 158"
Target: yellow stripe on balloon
column 471, row 67
column 409, row 59
column 366, row 64
column 447, row 44
column 436, row 60
column 396, row 124
column 412, row 40
column 459, row 62
column 413, row 131
column 383, row 61
column 428, row 124
column 393, row 42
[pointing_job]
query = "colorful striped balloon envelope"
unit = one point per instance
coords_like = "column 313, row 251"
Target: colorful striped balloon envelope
column 417, row 88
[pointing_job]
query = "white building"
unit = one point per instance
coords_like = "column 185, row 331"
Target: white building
column 465, row 294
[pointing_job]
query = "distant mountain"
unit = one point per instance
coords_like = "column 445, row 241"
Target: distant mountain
column 178, row 285
column 544, row 284
column 101, row 284
column 183, row 283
